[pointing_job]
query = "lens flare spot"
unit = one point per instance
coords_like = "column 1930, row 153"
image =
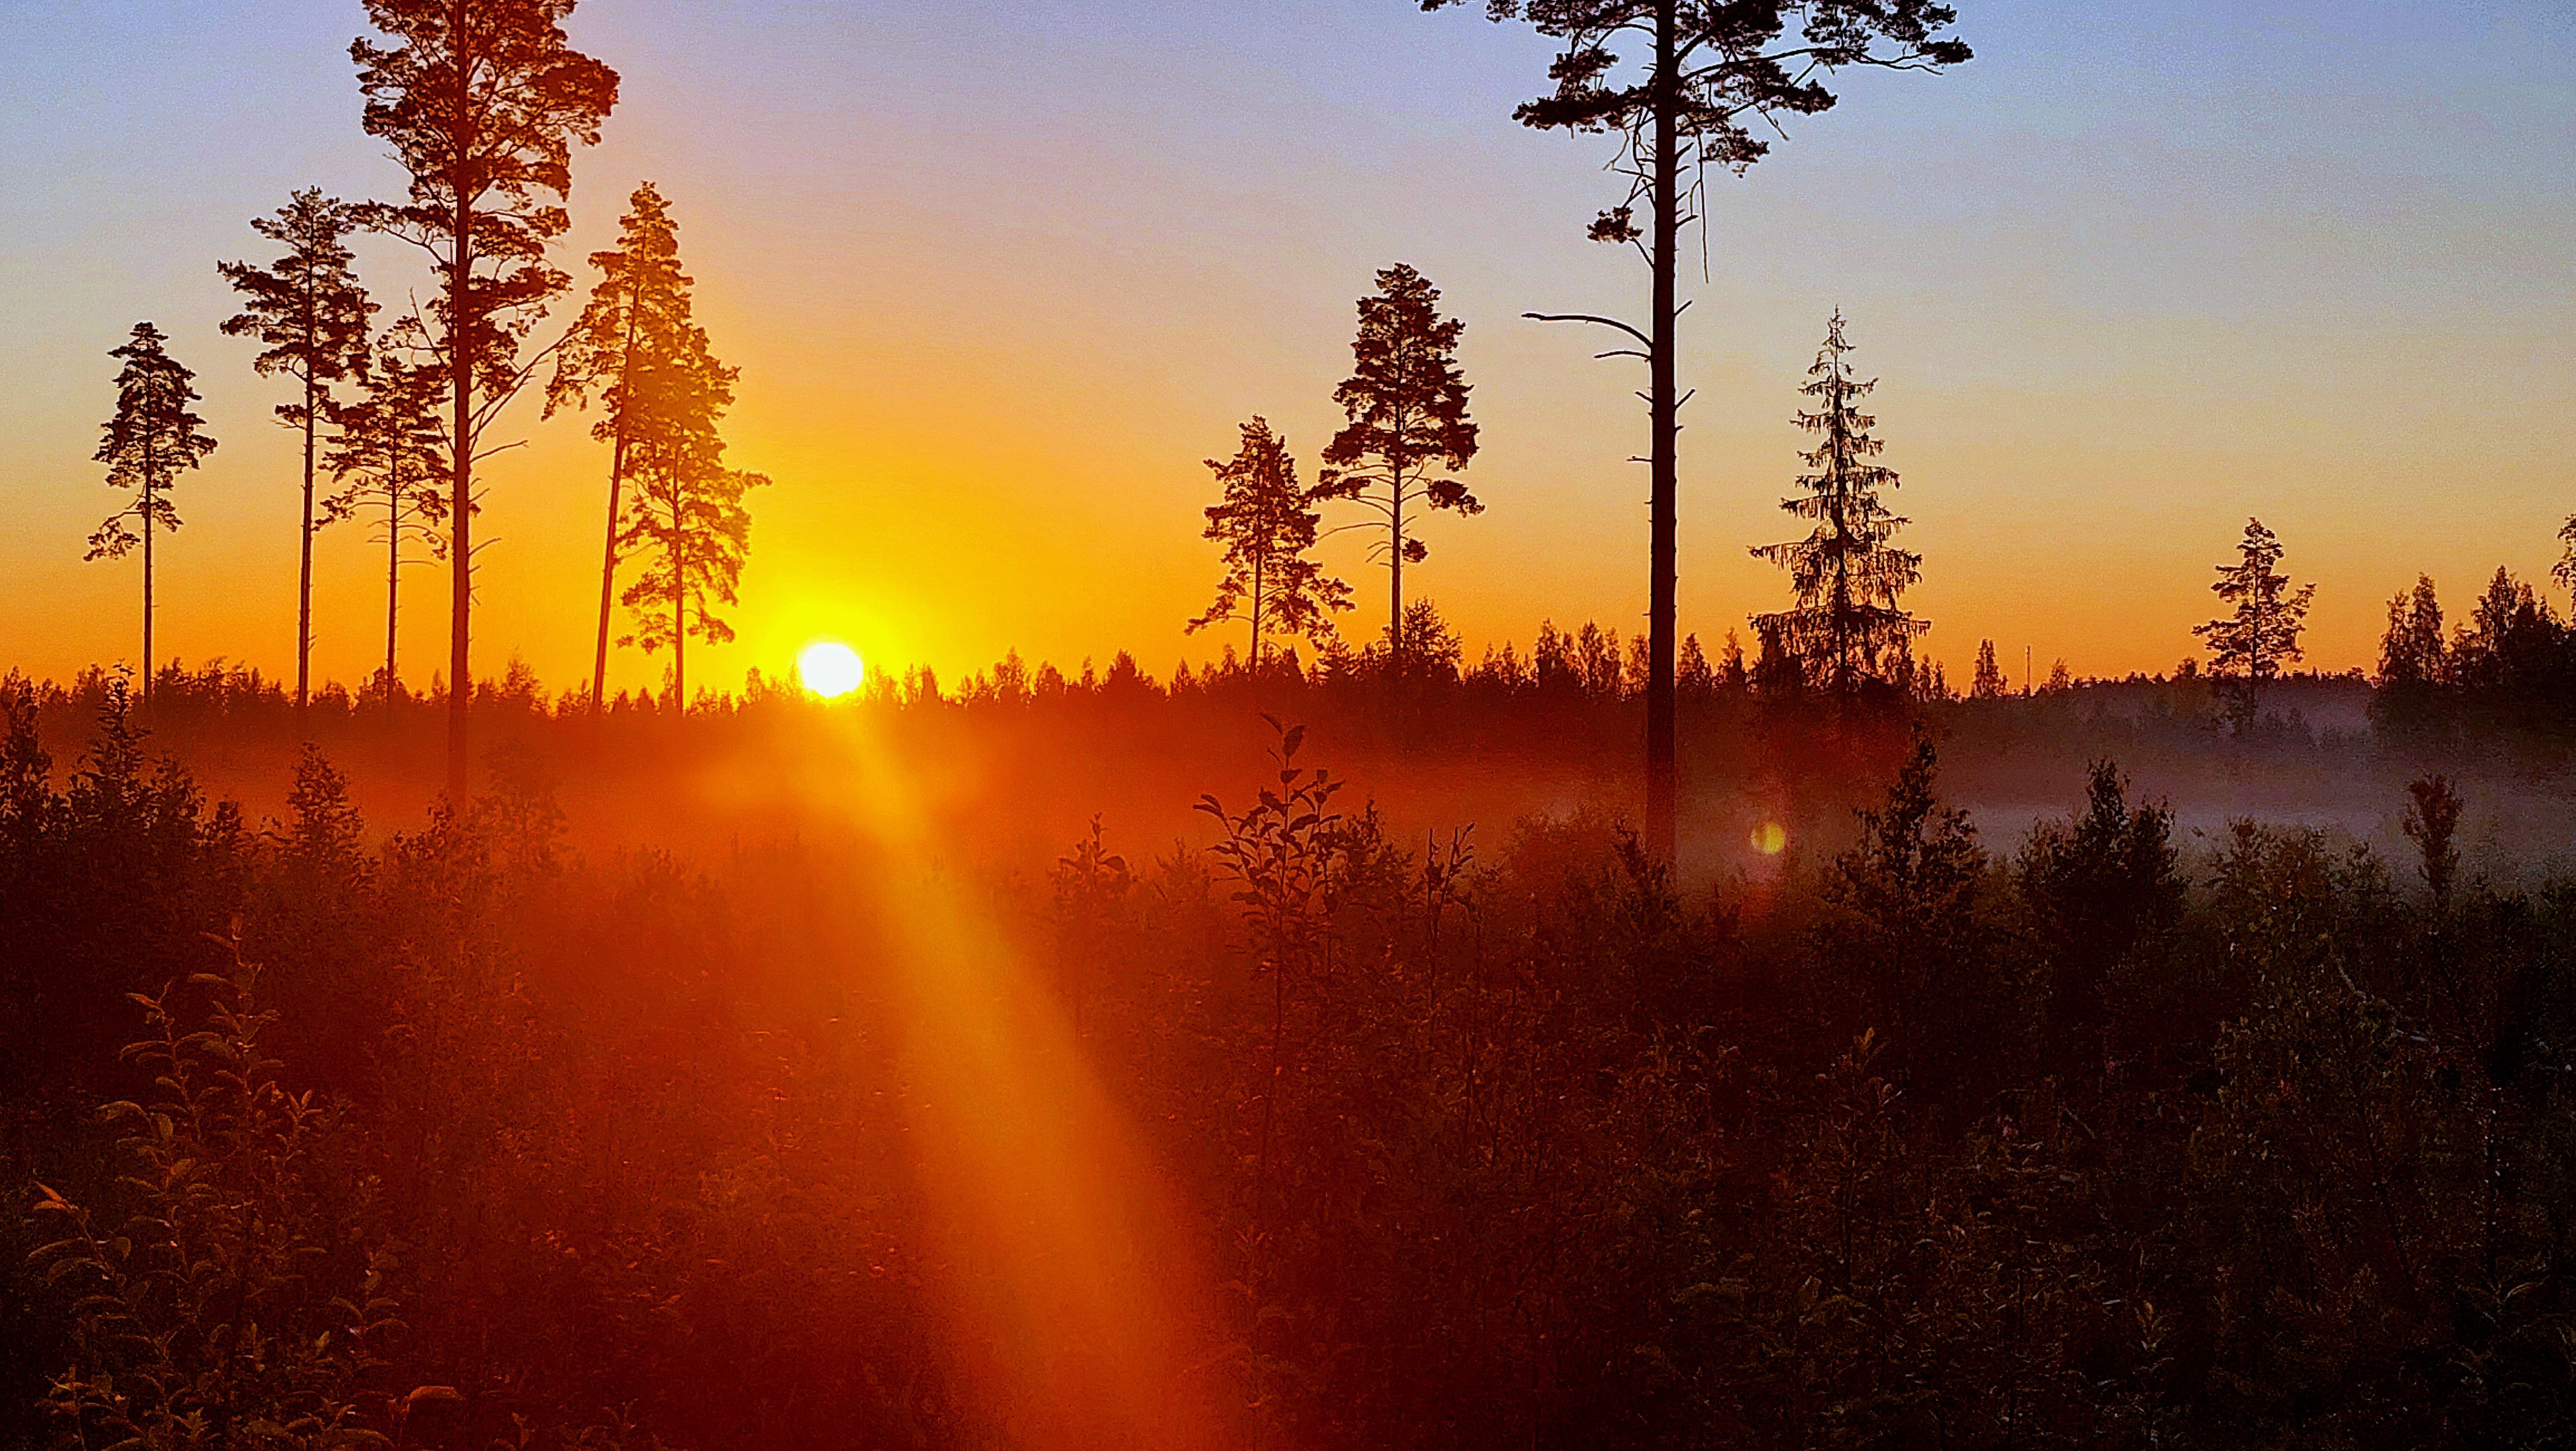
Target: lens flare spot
column 830, row 669
column 1770, row 838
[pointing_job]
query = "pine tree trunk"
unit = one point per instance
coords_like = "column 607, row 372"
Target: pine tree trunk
column 460, row 331
column 393, row 570
column 608, row 570
column 304, row 584
column 1395, row 564
column 679, row 613
column 149, row 494
column 1257, row 573
column 1661, row 827
column 616, row 486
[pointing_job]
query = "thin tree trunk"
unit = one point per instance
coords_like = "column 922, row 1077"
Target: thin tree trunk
column 608, row 570
column 1661, row 829
column 304, row 584
column 679, row 612
column 1256, row 619
column 616, row 487
column 393, row 570
column 460, row 332
column 1395, row 562
column 148, row 512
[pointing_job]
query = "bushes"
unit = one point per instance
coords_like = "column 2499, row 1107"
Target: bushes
column 234, row 1300
column 1514, row 1146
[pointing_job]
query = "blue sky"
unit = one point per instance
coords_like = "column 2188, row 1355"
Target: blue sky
column 999, row 275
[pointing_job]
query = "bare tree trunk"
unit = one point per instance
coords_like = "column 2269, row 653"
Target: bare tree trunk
column 608, row 570
column 304, row 585
column 1257, row 573
column 616, row 486
column 679, row 610
column 460, row 361
column 1395, row 562
column 148, row 513
column 1661, row 828
column 393, row 570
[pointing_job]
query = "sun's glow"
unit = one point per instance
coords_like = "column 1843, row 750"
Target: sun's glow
column 830, row 669
column 1770, row 838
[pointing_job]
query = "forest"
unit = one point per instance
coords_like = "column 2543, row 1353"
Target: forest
column 1369, row 1032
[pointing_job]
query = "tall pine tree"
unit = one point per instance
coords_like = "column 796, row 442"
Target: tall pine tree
column 482, row 102
column 389, row 456
column 1267, row 523
column 311, row 312
column 1849, row 626
column 635, row 329
column 2249, row 645
column 1409, row 436
column 687, row 518
column 152, row 436
column 1684, row 85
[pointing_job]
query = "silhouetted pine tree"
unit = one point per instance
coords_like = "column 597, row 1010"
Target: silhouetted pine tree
column 637, row 324
column 482, row 102
column 2251, row 645
column 1409, row 434
column 687, row 516
column 311, row 312
column 1267, row 523
column 389, row 455
column 1847, row 628
column 150, row 438
column 1710, row 76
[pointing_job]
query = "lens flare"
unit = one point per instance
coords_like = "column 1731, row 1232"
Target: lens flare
column 1770, row 838
column 830, row 669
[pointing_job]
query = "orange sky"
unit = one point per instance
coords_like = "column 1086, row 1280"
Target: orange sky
column 999, row 276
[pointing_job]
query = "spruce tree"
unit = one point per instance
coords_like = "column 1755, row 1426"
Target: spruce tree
column 1409, row 436
column 1706, row 79
column 2250, row 645
column 311, row 312
column 151, row 437
column 1267, row 523
column 636, row 328
column 1988, row 683
column 482, row 102
column 389, row 455
column 1848, row 626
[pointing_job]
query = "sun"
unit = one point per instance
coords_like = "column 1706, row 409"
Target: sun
column 1770, row 838
column 830, row 669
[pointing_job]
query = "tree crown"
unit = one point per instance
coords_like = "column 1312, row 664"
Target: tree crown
column 1267, row 522
column 482, row 102
column 151, row 437
column 1737, row 69
column 308, row 306
column 1406, row 400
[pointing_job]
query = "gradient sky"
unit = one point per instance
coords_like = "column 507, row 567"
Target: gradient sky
column 1000, row 273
